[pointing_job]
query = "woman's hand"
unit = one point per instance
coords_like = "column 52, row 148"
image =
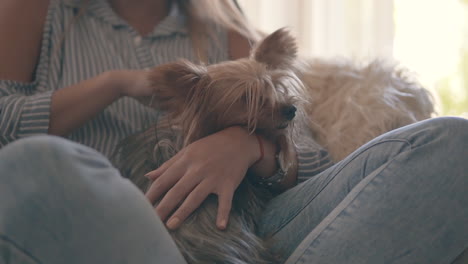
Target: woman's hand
column 215, row 164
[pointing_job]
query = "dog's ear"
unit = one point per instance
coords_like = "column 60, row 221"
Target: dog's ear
column 173, row 84
column 278, row 50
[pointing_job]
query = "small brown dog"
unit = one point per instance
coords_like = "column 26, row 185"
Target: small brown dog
column 260, row 93
column 343, row 105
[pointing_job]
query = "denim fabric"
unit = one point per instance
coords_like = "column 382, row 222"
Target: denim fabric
column 61, row 202
column 401, row 198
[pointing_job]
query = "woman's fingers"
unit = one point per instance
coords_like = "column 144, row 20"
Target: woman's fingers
column 224, row 207
column 176, row 196
column 153, row 175
column 195, row 199
column 191, row 203
column 162, row 184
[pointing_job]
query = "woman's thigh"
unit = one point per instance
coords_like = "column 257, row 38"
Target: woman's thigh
column 64, row 203
column 401, row 195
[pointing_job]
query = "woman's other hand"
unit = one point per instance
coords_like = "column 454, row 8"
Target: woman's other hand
column 215, row 164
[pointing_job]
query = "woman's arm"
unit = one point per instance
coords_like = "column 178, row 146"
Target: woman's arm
column 74, row 105
column 21, row 27
column 60, row 112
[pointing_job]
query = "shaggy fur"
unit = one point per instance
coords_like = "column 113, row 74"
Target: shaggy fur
column 342, row 104
column 350, row 104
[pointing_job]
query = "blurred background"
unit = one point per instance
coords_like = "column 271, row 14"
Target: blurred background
column 430, row 37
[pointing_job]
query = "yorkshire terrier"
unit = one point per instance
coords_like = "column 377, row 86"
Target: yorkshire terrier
column 260, row 93
column 278, row 96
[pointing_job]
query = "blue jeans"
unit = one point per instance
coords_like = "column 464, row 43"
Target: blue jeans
column 401, row 198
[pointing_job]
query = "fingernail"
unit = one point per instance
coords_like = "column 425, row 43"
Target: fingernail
column 147, row 175
column 173, row 223
column 222, row 224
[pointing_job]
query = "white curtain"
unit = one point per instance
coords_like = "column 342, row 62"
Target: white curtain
column 430, row 37
column 355, row 28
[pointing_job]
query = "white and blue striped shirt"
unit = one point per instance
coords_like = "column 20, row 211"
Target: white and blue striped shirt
column 101, row 41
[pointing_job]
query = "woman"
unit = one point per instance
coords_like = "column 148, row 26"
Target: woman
column 65, row 72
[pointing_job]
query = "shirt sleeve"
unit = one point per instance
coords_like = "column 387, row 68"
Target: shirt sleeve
column 25, row 107
column 312, row 160
column 22, row 112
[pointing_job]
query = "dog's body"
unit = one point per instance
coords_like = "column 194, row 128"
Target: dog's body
column 199, row 240
column 254, row 93
column 350, row 103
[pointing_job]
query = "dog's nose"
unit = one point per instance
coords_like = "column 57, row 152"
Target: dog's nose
column 289, row 112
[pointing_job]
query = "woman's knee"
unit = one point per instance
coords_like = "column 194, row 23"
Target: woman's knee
column 54, row 190
column 439, row 132
column 454, row 125
column 452, row 131
column 47, row 164
column 48, row 156
column 45, row 147
column 56, row 173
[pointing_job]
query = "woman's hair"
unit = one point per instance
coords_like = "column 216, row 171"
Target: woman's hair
column 225, row 13
column 201, row 16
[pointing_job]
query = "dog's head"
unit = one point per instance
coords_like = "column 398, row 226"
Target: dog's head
column 261, row 93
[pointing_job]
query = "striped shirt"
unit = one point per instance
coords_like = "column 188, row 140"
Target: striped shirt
column 97, row 42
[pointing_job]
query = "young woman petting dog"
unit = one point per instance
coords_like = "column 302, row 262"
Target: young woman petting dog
column 73, row 68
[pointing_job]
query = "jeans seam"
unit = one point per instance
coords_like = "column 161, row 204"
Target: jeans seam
column 308, row 249
column 459, row 257
column 336, row 173
column 11, row 242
